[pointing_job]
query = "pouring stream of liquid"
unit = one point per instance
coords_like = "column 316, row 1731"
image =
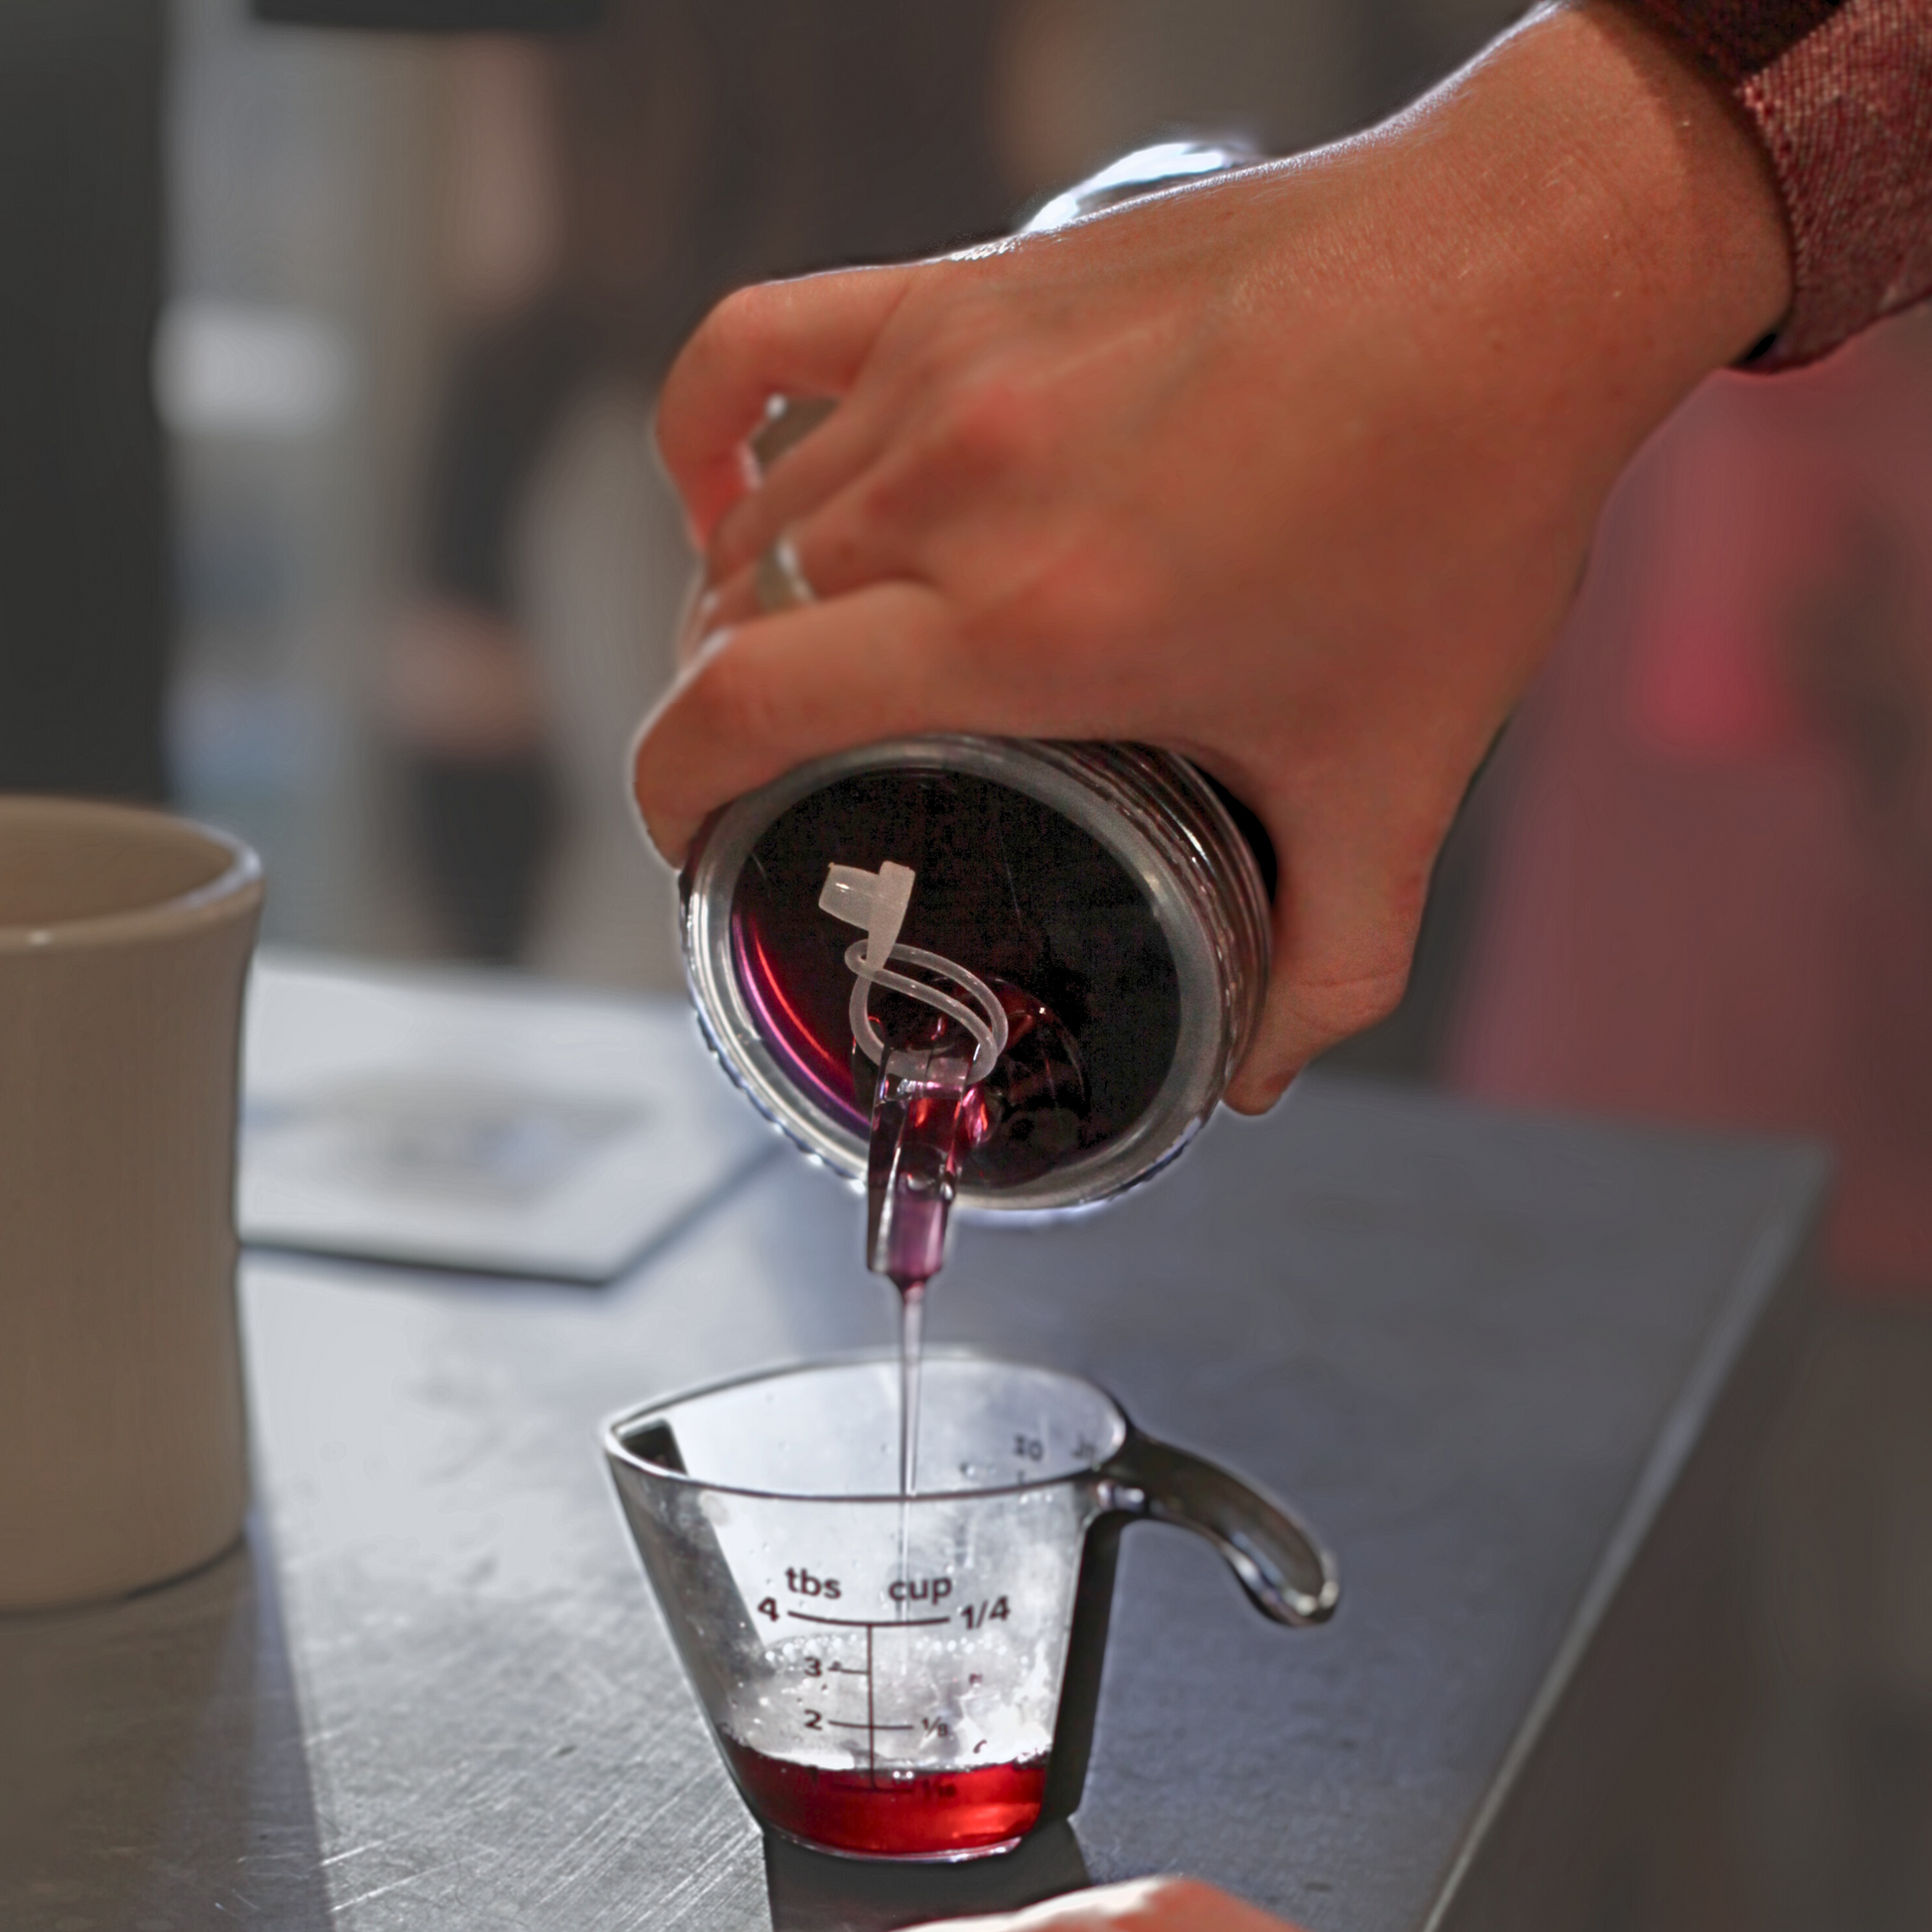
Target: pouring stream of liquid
column 911, row 1315
column 909, row 1195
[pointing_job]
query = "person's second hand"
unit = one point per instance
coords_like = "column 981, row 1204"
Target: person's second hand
column 1159, row 1904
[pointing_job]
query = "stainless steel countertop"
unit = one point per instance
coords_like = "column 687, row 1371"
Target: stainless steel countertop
column 1507, row 1365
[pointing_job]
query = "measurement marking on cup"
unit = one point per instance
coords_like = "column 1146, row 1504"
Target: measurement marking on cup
column 870, row 1623
column 815, row 1719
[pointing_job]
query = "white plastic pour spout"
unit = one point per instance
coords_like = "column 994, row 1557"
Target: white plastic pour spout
column 878, row 901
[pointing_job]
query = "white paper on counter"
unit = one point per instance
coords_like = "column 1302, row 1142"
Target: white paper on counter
column 469, row 1119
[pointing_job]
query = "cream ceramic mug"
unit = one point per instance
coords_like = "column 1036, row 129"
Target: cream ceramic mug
column 124, row 944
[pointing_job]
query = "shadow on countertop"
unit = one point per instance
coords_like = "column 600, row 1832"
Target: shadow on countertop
column 812, row 1892
column 151, row 1767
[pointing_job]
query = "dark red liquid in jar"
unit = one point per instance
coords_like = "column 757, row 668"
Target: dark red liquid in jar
column 888, row 1814
column 1010, row 890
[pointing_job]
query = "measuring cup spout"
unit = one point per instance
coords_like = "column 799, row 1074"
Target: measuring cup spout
column 1284, row 1571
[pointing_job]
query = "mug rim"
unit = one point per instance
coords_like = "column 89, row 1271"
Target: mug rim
column 619, row 1452
column 234, row 889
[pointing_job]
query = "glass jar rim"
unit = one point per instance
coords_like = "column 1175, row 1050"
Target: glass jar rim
column 1150, row 811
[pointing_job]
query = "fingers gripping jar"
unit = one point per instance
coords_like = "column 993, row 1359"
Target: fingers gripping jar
column 1103, row 891
column 1103, row 903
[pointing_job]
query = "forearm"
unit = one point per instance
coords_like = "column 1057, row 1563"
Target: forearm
column 1840, row 95
column 1601, row 194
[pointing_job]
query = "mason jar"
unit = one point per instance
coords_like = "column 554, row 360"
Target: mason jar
column 1108, row 884
column 1113, row 895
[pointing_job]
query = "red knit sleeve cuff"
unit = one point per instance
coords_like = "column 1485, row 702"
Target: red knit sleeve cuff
column 1842, row 96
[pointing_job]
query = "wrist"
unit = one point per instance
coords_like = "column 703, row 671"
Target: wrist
column 1622, row 209
column 1671, row 152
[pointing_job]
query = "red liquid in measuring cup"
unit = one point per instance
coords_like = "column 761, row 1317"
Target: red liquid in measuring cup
column 894, row 1815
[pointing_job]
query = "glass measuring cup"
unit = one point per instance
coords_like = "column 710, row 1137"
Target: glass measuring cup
column 915, row 1677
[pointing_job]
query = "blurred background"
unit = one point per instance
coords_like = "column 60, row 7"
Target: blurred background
column 331, row 515
column 365, row 331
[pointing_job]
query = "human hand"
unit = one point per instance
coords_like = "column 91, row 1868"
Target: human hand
column 1293, row 472
column 1166, row 1904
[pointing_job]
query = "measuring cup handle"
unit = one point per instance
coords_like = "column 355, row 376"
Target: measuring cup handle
column 1287, row 1574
